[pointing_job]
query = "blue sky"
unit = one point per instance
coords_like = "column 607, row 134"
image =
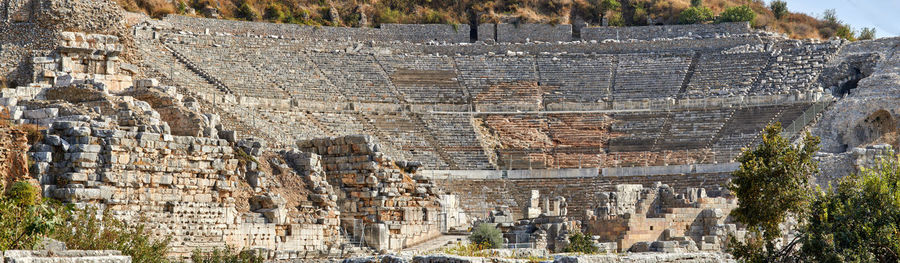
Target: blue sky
column 881, row 14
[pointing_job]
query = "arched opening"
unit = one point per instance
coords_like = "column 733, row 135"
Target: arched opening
column 879, row 127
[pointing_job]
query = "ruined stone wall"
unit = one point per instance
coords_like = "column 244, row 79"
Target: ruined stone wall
column 386, row 33
column 84, row 56
column 580, row 193
column 382, row 201
column 29, row 27
column 633, row 214
column 665, row 31
column 188, row 188
column 522, row 33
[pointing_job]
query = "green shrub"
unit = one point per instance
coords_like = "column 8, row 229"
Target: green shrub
column 696, row 3
column 779, row 8
column 487, row 235
column 182, row 7
column 224, row 255
column 25, row 219
column 434, row 17
column 866, row 33
column 694, row 15
column 581, row 243
column 388, row 16
column 22, row 193
column 857, row 221
column 741, row 13
column 246, row 12
column 87, row 229
column 275, row 13
column 844, row 31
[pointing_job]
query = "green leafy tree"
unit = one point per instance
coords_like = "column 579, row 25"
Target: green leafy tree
column 696, row 3
column 247, row 12
column 25, row 218
column 694, row 15
column 779, row 8
column 867, row 33
column 858, row 220
column 581, row 243
column 488, row 235
column 741, row 13
column 771, row 184
column 845, row 32
column 275, row 13
column 830, row 16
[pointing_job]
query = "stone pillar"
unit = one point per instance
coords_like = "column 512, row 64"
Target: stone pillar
column 534, row 209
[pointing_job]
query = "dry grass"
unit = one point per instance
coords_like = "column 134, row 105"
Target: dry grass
column 33, row 132
column 154, row 8
column 315, row 12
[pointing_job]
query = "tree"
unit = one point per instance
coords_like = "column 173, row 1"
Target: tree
column 488, row 235
column 275, row 13
column 779, row 8
column 845, row 32
column 607, row 7
column 694, row 15
column 741, row 13
column 247, row 12
column 867, row 33
column 830, row 16
column 857, row 221
column 696, row 3
column 771, row 183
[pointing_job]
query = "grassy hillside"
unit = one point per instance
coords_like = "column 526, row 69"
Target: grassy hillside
column 617, row 12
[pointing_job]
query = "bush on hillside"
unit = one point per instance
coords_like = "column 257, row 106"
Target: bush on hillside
column 779, row 8
column 246, row 12
column 866, row 33
column 741, row 13
column 696, row 3
column 487, row 235
column 694, row 15
column 275, row 13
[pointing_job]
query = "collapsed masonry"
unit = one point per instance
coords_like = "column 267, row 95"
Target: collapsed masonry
column 147, row 154
column 640, row 219
column 633, row 218
column 382, row 200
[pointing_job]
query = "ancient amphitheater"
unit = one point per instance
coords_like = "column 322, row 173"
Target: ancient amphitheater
column 320, row 142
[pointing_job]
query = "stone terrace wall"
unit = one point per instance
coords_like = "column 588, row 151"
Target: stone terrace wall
column 521, row 33
column 387, row 32
column 181, row 185
column 667, row 31
column 581, row 193
column 185, row 187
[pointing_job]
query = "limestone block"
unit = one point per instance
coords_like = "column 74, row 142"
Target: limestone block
column 41, row 113
column 42, row 156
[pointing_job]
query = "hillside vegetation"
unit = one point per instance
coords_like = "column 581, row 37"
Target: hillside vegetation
column 616, row 12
